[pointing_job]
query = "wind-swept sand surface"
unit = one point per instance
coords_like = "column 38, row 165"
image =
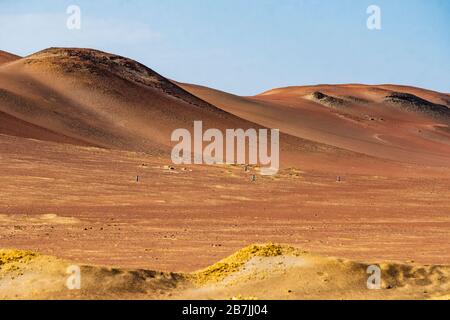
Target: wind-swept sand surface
column 390, row 122
column 78, row 126
column 175, row 213
column 255, row 272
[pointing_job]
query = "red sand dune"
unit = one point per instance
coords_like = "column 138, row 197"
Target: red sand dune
column 88, row 97
column 99, row 99
column 6, row 57
column 359, row 118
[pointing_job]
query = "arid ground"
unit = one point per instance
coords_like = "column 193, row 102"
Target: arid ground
column 364, row 179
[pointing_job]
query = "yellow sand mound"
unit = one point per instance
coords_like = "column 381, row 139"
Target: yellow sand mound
column 282, row 272
column 29, row 275
column 256, row 272
column 12, row 260
column 233, row 263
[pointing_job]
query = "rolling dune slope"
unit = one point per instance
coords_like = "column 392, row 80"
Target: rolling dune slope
column 88, row 97
column 94, row 98
column 91, row 98
column 6, row 57
column 390, row 122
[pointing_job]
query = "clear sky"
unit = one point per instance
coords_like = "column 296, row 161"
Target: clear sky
column 249, row 46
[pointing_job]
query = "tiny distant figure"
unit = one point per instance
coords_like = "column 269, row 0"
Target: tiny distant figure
column 137, row 178
column 247, row 169
column 253, row 178
column 338, row 179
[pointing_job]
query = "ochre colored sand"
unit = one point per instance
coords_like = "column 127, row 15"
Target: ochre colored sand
column 255, row 272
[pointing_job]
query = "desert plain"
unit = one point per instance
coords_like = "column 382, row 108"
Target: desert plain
column 86, row 179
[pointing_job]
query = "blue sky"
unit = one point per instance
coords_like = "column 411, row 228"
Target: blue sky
column 249, row 46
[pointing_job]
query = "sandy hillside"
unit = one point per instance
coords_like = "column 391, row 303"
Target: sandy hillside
column 391, row 122
column 92, row 98
column 6, row 57
column 255, row 272
column 89, row 97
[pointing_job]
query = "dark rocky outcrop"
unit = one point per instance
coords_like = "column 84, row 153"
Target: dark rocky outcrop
column 412, row 103
column 327, row 100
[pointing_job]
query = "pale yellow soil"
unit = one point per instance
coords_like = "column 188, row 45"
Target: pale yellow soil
column 255, row 272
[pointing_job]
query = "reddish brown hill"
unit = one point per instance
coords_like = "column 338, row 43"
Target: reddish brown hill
column 393, row 122
column 6, row 57
column 88, row 97
column 99, row 99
